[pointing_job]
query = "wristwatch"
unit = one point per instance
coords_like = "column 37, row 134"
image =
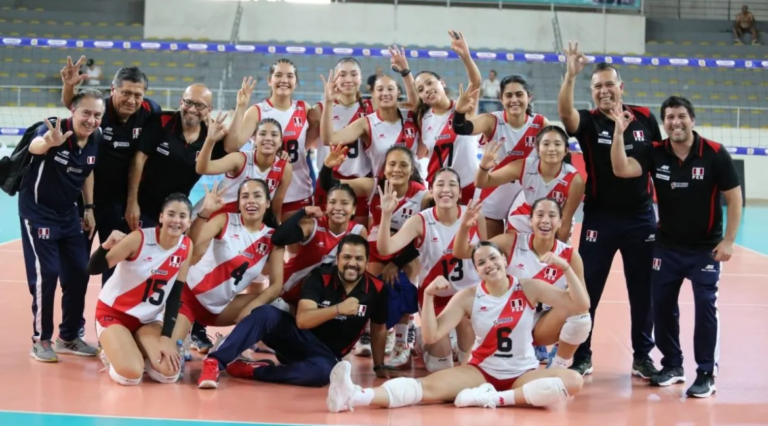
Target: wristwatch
column 88, row 207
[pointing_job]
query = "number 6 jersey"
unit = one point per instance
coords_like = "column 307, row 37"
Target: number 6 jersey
column 235, row 258
column 141, row 284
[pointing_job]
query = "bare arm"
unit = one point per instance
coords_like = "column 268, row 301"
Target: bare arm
column 623, row 166
column 433, row 328
column 125, row 248
column 282, row 188
column 575, row 64
column 575, row 299
column 734, row 200
column 231, row 163
column 239, row 135
column 412, row 229
column 508, row 173
column 203, row 231
column 575, row 194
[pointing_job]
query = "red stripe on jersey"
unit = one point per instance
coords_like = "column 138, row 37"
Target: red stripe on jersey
column 223, row 272
column 503, row 326
column 293, row 128
column 442, row 156
column 561, row 190
column 155, row 283
column 448, row 260
column 375, row 207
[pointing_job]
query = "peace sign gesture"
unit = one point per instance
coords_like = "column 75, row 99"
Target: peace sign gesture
column 53, row 136
column 469, row 218
column 490, row 158
column 212, row 201
column 330, row 86
column 398, row 60
column 70, row 74
column 244, row 94
column 621, row 117
column 575, row 60
column 388, row 198
column 216, row 129
column 467, row 101
column 337, row 156
column 459, row 43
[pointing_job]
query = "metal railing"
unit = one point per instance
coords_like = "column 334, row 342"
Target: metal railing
column 703, row 9
column 575, row 4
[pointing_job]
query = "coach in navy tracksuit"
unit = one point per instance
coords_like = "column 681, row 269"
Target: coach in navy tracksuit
column 689, row 173
column 63, row 155
column 618, row 213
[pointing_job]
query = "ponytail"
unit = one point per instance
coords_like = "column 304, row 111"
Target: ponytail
column 421, row 107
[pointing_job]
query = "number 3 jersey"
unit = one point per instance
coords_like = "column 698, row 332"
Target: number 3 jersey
column 436, row 255
column 140, row 285
column 503, row 332
column 236, row 258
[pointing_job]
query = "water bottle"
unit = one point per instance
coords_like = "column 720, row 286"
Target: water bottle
column 180, row 348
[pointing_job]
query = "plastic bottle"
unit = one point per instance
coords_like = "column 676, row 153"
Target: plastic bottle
column 180, row 347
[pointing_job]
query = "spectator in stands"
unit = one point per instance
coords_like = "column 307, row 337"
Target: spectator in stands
column 93, row 73
column 491, row 91
column 745, row 22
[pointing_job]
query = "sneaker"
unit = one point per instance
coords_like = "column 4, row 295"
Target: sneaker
column 703, row 387
column 81, row 332
column 481, row 396
column 668, row 376
column 209, row 377
column 400, row 356
column 43, row 351
column 244, row 369
column 551, row 355
column 411, row 339
column 75, row 347
column 583, row 367
column 390, row 346
column 541, row 354
column 363, row 346
column 342, row 390
column 644, row 368
column 201, row 342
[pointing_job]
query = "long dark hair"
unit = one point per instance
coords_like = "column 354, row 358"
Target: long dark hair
column 273, row 67
column 432, row 202
column 176, row 197
column 397, row 108
column 415, row 175
column 422, row 107
column 269, row 218
column 351, row 60
column 563, row 135
column 519, row 79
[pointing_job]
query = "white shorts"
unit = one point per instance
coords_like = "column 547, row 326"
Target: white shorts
column 498, row 203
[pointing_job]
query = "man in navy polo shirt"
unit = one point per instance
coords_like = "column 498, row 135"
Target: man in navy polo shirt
column 63, row 157
column 689, row 173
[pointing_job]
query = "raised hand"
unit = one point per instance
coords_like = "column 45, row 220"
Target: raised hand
column 467, row 101
column 53, row 136
column 398, row 59
column 621, row 118
column 388, row 198
column 314, row 212
column 437, row 285
column 469, row 218
column 330, row 86
column 216, row 129
column 552, row 259
column 575, row 60
column 349, row 306
column 244, row 94
column 459, row 43
column 114, row 238
column 212, row 201
column 70, row 74
column 336, row 156
column 489, row 159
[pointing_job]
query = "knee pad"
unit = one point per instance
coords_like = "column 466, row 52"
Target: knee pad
column 576, row 329
column 122, row 380
column 157, row 376
column 403, row 391
column 435, row 364
column 545, row 392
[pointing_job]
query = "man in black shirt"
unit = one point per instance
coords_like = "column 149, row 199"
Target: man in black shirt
column 336, row 303
column 689, row 173
column 618, row 213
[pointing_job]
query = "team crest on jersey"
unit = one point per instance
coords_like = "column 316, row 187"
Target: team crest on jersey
column 272, row 183
column 698, row 173
column 197, row 154
column 591, row 236
column 530, row 141
column 360, row 114
column 91, row 159
column 409, row 132
column 361, row 310
column 262, row 248
column 516, row 305
column 44, row 233
column 298, row 121
column 407, row 213
column 558, row 196
column 550, row 274
column 136, row 132
column 638, row 135
column 175, row 261
column 656, row 264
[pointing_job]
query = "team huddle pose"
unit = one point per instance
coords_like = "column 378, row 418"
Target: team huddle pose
column 479, row 249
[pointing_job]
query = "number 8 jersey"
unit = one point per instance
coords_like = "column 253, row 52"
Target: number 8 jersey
column 138, row 286
column 503, row 332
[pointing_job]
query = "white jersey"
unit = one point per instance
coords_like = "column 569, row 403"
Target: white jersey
column 140, row 285
column 436, row 254
column 357, row 163
column 385, row 134
column 447, row 149
column 524, row 264
column 295, row 125
column 235, row 258
column 407, row 206
column 516, row 144
column 534, row 188
column 503, row 329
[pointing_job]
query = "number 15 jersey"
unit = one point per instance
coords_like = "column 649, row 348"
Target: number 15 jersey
column 140, row 285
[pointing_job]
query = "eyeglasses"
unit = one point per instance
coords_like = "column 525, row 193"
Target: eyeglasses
column 198, row 105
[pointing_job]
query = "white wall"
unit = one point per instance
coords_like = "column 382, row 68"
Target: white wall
column 377, row 24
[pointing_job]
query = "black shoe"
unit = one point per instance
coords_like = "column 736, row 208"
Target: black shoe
column 582, row 366
column 668, row 376
column 644, row 368
column 200, row 340
column 703, row 387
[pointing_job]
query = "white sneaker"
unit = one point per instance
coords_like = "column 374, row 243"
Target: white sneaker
column 363, row 346
column 342, row 390
column 390, row 342
column 481, row 396
column 418, row 345
column 400, row 356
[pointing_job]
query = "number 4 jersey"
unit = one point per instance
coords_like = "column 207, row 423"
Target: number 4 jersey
column 138, row 286
column 236, row 258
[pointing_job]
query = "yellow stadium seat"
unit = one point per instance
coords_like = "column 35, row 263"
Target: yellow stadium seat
column 22, row 75
column 714, row 96
column 18, row 21
column 154, row 64
column 170, row 78
column 734, row 97
column 54, row 90
column 695, row 96
column 637, row 80
column 101, row 24
column 655, row 81
column 188, row 79
column 171, row 65
column 30, row 104
column 34, row 21
column 728, row 82
column 718, row 111
column 39, row 9
column 722, row 43
column 687, row 43
column 120, row 24
column 672, row 81
column 69, row 23
column 726, row 125
column 136, row 63
column 756, row 111
column 752, row 97
column 8, row 60
column 641, row 94
column 189, row 65
column 669, row 43
column 660, row 94
column 746, row 82
column 21, row 8
column 152, row 78
column 40, row 75
column 35, row 89
column 717, row 55
column 701, row 109
column 118, row 63
column 11, row 104
column 51, row 105
column 150, row 93
column 4, row 74
column 49, row 22
column 710, row 82
column 26, row 60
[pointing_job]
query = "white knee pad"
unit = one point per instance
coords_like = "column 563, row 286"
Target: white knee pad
column 122, row 380
column 545, row 392
column 403, row 391
column 576, row 329
column 156, row 376
column 435, row 364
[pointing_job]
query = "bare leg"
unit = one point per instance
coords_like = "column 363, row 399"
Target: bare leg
column 125, row 359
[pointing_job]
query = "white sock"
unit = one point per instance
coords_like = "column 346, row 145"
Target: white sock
column 363, row 398
column 401, row 333
column 505, row 398
column 558, row 362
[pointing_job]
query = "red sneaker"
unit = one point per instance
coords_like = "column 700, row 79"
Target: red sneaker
column 209, row 378
column 244, row 369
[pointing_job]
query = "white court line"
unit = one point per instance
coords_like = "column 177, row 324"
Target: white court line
column 9, row 242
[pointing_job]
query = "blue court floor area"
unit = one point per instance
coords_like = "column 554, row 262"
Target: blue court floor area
column 38, row 419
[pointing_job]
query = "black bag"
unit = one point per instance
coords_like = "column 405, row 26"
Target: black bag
column 13, row 168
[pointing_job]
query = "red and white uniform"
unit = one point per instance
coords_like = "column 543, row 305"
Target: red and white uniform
column 357, row 164
column 385, row 134
column 517, row 144
column 295, row 125
column 235, row 258
column 273, row 175
column 136, row 293
column 436, row 256
column 407, row 206
column 523, row 263
column 319, row 249
column 503, row 349
column 447, row 149
column 534, row 188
